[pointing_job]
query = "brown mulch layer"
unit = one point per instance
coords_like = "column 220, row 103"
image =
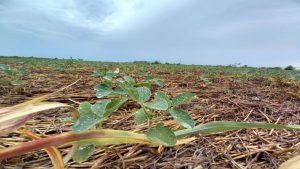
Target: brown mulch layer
column 225, row 99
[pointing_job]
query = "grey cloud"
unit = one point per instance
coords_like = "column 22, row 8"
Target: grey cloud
column 263, row 33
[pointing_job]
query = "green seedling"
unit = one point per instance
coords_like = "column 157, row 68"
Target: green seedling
column 205, row 80
column 96, row 73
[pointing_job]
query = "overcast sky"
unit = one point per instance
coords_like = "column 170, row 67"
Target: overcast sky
column 255, row 32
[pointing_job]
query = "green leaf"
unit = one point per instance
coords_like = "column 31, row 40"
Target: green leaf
column 129, row 79
column 103, row 90
column 85, row 109
column 182, row 98
column 100, row 107
column 162, row 135
column 119, row 91
column 145, row 84
column 92, row 115
column 108, row 83
column 144, row 94
column 114, row 105
column 159, row 103
column 87, row 118
column 182, row 117
column 83, row 152
column 164, row 96
column 223, row 126
column 133, row 93
column 157, row 81
column 130, row 90
column 140, row 116
column 96, row 73
column 140, row 94
column 109, row 76
column 149, row 78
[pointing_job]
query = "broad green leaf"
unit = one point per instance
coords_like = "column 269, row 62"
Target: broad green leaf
column 87, row 119
column 100, row 107
column 182, row 117
column 130, row 90
column 162, row 135
column 108, row 83
column 223, row 126
column 164, row 96
column 83, row 152
column 119, row 91
column 145, row 84
column 159, row 103
column 85, row 109
column 182, row 98
column 114, row 105
column 129, row 79
column 148, row 78
column 133, row 93
column 157, row 81
column 140, row 116
column 140, row 94
column 103, row 90
column 85, row 123
column 125, row 86
column 144, row 94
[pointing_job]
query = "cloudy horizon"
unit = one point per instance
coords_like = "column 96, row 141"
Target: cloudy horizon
column 255, row 33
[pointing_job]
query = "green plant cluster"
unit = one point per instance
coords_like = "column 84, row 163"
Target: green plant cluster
column 12, row 74
column 122, row 89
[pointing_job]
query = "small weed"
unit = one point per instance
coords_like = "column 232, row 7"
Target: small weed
column 96, row 73
column 205, row 80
